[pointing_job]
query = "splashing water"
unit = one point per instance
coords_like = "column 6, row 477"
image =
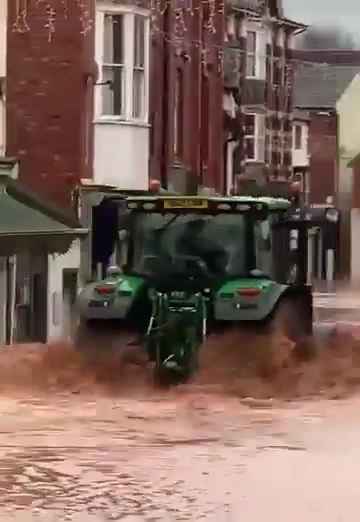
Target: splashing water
column 237, row 364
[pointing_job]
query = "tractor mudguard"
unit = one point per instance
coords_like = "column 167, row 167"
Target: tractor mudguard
column 247, row 300
column 93, row 303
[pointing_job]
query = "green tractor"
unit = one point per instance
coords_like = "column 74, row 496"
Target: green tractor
column 192, row 266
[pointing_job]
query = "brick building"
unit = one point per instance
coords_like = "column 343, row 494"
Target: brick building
column 77, row 94
column 258, row 93
column 49, row 96
column 318, row 89
column 187, row 95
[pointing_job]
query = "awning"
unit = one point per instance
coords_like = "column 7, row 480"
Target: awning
column 31, row 225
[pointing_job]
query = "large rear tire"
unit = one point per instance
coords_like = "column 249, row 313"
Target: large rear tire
column 100, row 339
column 292, row 320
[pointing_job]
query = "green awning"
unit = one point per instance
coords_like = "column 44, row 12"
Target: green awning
column 29, row 224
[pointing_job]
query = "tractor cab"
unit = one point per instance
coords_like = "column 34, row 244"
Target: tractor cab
column 201, row 241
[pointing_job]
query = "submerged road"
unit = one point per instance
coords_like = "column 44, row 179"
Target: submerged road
column 134, row 455
column 192, row 458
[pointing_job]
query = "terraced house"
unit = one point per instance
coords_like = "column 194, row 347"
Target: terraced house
column 258, row 99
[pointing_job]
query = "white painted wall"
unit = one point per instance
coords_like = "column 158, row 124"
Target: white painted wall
column 122, row 155
column 56, row 307
column 3, row 32
column 121, row 144
column 300, row 157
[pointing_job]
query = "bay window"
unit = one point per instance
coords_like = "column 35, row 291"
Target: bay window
column 256, row 53
column 254, row 137
column 122, row 48
column 251, row 52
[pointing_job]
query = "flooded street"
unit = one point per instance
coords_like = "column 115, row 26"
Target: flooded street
column 191, row 457
column 95, row 444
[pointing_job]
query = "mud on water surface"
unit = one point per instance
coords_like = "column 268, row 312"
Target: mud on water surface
column 237, row 364
column 91, row 441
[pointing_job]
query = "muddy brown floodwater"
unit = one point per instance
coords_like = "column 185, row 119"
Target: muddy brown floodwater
column 92, row 443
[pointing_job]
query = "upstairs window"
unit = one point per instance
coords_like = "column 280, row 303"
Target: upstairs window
column 297, row 137
column 178, row 115
column 251, row 53
column 113, row 67
column 122, row 48
column 254, row 139
column 139, row 68
column 256, row 53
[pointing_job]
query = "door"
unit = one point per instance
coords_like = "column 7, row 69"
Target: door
column 70, row 285
column 39, row 308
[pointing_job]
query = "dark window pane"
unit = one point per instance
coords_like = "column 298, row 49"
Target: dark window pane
column 298, row 137
column 138, row 93
column 139, row 41
column 113, row 103
column 251, row 41
column 250, row 148
column 113, row 39
column 178, row 114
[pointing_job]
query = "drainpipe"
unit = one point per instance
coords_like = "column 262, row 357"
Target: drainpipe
column 12, row 265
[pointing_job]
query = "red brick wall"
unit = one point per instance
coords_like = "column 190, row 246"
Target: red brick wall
column 202, row 115
column 49, row 99
column 323, row 156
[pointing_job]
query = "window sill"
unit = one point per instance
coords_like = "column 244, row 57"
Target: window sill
column 254, row 162
column 117, row 121
column 259, row 78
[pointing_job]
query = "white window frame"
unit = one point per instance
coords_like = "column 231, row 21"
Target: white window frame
column 260, row 51
column 259, row 148
column 282, row 141
column 129, row 13
column 253, row 55
column 301, row 127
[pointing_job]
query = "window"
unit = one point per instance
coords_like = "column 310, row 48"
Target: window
column 178, row 114
column 282, row 142
column 139, row 68
column 113, row 70
column 251, row 43
column 254, row 137
column 122, row 54
column 298, row 137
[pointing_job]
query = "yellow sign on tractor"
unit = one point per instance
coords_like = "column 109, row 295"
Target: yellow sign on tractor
column 185, row 203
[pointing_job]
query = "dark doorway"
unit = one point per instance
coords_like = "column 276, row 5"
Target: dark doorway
column 70, row 285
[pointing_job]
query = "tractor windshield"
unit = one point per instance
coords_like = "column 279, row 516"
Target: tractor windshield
column 208, row 245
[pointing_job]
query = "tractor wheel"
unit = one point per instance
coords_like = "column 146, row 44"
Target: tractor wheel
column 85, row 337
column 166, row 376
column 100, row 339
column 292, row 321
